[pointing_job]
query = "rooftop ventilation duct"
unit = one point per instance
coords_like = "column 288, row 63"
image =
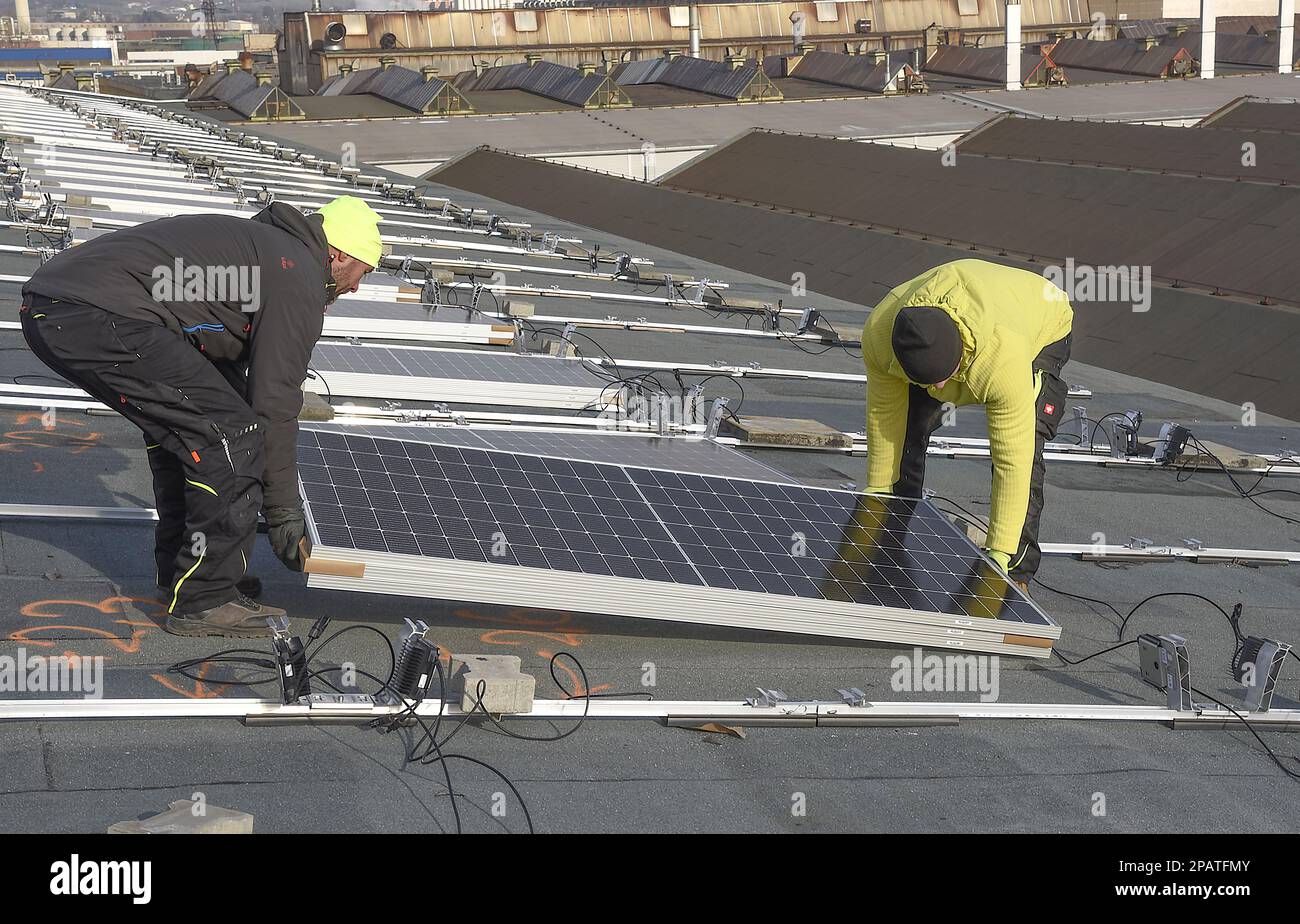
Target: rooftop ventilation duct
column 335, row 32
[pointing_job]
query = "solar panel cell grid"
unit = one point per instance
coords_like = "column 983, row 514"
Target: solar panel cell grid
column 569, row 515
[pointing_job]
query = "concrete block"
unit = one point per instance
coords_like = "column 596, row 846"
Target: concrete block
column 785, row 431
column 1231, row 457
column 519, row 309
column 562, row 348
column 314, row 407
column 846, row 333
column 506, row 689
column 180, row 818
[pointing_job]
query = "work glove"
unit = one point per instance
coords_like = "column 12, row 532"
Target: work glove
column 1001, row 559
column 286, row 528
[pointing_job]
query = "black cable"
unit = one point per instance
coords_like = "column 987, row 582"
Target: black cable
column 478, row 704
column 183, row 667
column 1096, row 425
column 329, row 394
column 1250, row 728
column 433, row 754
column 1249, row 494
column 315, row 651
column 1095, row 654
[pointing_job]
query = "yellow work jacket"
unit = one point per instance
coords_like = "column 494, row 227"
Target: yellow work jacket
column 1006, row 316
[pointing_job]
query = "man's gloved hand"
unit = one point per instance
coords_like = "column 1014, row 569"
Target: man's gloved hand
column 286, row 528
column 1001, row 559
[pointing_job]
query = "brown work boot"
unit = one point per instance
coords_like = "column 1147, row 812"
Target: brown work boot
column 242, row 617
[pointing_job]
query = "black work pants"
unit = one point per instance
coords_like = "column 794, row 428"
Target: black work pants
column 925, row 413
column 203, row 440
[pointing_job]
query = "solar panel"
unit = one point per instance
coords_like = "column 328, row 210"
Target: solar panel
column 453, row 364
column 495, row 526
column 463, row 376
column 683, row 454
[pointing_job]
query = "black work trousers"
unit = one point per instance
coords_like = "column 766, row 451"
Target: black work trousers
column 925, row 413
column 203, row 440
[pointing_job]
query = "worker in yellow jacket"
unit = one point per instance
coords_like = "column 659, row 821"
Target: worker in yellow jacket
column 970, row 332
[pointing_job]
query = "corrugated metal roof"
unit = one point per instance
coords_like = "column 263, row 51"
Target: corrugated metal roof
column 1120, row 57
column 861, row 265
column 856, row 71
column 987, row 65
column 401, row 86
column 550, row 80
column 1150, row 28
column 1203, row 232
column 1249, row 50
column 1206, row 151
column 716, row 78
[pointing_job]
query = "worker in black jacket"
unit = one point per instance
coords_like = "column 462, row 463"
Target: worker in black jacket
column 198, row 329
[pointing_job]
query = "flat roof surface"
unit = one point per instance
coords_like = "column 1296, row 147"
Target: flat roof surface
column 1157, row 148
column 1188, row 229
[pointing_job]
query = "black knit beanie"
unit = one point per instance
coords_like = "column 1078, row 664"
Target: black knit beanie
column 927, row 344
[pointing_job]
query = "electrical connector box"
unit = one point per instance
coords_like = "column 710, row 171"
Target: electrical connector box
column 494, row 681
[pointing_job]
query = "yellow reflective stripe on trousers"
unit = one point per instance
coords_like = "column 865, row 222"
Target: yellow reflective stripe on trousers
column 184, row 577
column 199, row 484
